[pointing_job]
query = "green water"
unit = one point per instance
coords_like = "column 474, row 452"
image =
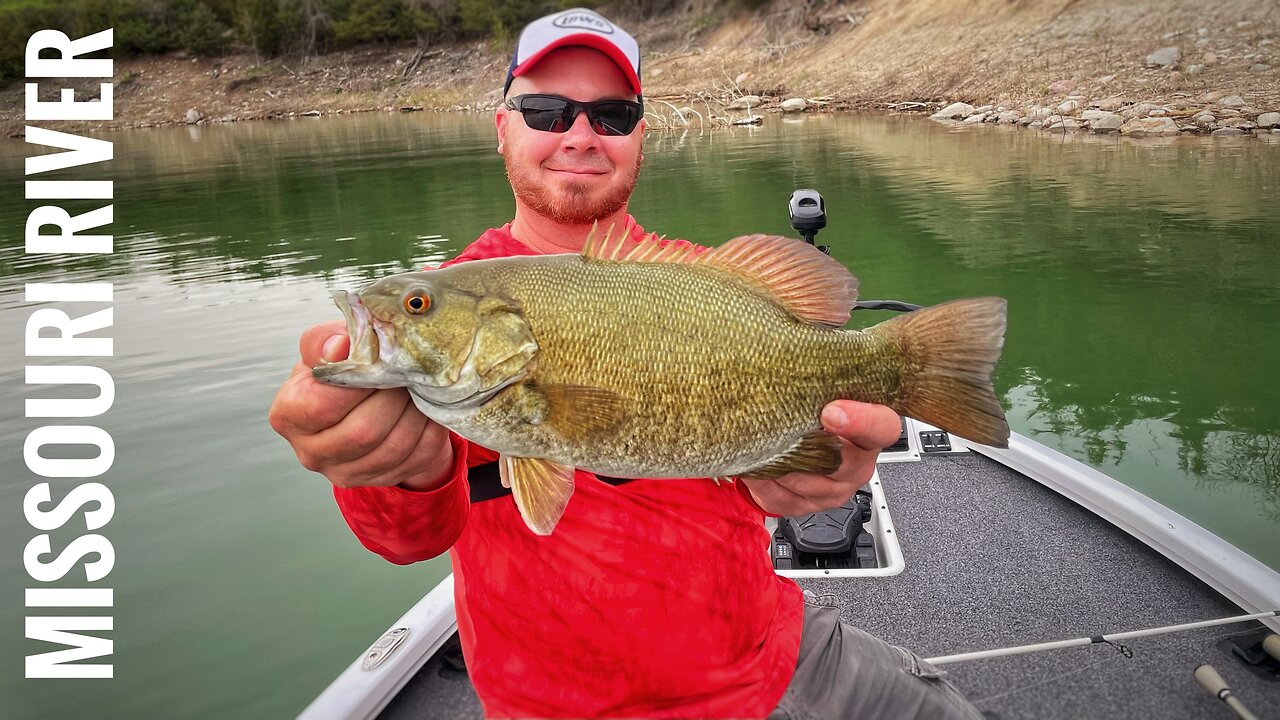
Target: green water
column 1144, row 292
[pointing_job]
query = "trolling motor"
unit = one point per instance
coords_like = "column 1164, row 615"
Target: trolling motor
column 808, row 215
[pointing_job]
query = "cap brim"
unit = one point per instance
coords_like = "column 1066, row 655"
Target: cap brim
column 593, row 41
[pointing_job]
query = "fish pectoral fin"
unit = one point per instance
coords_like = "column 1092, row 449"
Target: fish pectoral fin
column 542, row 489
column 580, row 413
column 818, row 452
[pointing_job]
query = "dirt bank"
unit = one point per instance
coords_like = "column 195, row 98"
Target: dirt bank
column 1047, row 62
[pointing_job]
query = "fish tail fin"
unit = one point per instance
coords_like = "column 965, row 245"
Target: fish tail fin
column 949, row 352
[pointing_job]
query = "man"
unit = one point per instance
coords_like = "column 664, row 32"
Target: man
column 652, row 598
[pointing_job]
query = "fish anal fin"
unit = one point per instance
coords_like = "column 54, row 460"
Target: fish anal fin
column 808, row 283
column 580, row 413
column 541, row 488
column 817, row 452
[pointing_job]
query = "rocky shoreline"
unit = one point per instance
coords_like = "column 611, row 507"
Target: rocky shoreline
column 1211, row 113
column 1207, row 114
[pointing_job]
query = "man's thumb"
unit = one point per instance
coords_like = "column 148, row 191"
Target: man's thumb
column 336, row 348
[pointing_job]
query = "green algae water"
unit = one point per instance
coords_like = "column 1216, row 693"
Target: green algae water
column 1143, row 281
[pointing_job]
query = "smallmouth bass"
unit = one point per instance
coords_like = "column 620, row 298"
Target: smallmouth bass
column 661, row 360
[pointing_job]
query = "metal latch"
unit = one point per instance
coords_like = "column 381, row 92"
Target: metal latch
column 382, row 649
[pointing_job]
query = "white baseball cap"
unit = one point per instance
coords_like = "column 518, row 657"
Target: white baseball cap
column 581, row 27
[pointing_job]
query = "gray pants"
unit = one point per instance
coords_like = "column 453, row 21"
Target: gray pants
column 844, row 673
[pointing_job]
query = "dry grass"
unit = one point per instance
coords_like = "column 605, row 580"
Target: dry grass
column 857, row 54
column 887, row 51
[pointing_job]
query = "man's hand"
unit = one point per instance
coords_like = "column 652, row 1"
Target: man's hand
column 356, row 437
column 864, row 430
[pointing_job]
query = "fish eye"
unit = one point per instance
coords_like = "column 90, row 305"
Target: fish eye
column 417, row 302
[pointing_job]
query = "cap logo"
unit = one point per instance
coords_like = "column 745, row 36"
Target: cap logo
column 584, row 21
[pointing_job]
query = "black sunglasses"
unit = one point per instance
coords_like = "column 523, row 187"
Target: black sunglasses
column 552, row 113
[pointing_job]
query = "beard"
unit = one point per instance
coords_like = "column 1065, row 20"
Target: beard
column 578, row 204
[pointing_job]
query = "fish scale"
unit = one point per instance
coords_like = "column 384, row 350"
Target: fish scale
column 703, row 398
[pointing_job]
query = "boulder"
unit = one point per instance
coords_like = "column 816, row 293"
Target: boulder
column 1149, row 127
column 1111, row 104
column 793, row 105
column 743, row 102
column 1110, row 123
column 953, row 111
column 193, row 116
column 1164, row 57
column 1141, row 110
column 1227, row 132
column 1269, row 120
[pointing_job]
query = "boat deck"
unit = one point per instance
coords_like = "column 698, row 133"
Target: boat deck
column 995, row 559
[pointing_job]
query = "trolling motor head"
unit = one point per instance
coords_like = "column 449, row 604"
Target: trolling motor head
column 808, row 215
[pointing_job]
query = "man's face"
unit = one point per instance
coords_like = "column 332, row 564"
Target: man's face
column 577, row 176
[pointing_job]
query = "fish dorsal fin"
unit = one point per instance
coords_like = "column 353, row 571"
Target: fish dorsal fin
column 605, row 246
column 807, row 282
column 650, row 248
column 541, row 489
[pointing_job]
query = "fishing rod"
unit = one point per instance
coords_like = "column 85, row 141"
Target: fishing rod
column 1114, row 638
column 1212, row 682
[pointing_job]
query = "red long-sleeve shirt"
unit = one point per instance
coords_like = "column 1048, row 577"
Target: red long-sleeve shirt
column 652, row 598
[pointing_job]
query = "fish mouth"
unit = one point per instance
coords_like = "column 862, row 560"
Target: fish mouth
column 363, row 367
column 361, row 328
